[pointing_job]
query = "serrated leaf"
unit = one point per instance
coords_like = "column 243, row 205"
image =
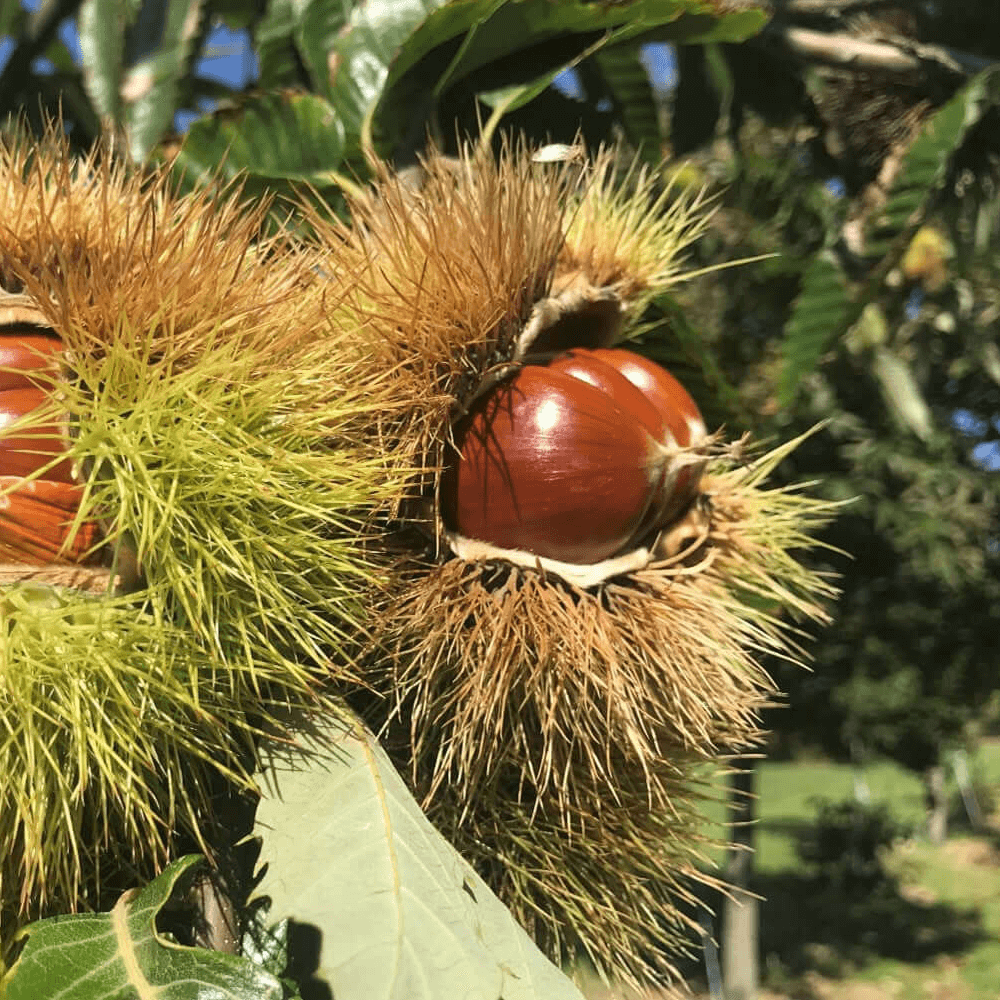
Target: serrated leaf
column 120, row 956
column 820, row 314
column 824, row 311
column 924, row 168
column 280, row 139
column 626, row 79
column 401, row 915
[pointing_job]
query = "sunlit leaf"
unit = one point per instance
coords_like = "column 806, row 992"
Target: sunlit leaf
column 400, row 914
column 136, row 56
column 278, row 139
column 489, row 43
column 99, row 956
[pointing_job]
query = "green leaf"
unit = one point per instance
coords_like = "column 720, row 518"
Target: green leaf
column 120, row 956
column 628, row 83
column 102, row 25
column 400, row 913
column 924, row 168
column 824, row 311
column 317, row 30
column 278, row 139
column 13, row 16
column 512, row 42
column 274, row 40
column 820, row 315
column 161, row 47
column 135, row 56
column 357, row 65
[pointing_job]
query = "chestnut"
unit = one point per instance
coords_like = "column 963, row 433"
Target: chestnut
column 35, row 520
column 572, row 460
column 680, row 413
column 36, row 514
column 30, row 447
column 549, row 464
column 28, row 361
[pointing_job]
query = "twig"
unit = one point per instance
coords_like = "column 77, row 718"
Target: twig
column 847, row 52
column 832, row 8
column 41, row 28
column 218, row 927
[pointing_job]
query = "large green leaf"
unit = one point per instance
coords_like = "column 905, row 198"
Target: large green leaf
column 400, row 914
column 275, row 140
column 486, row 44
column 120, row 956
column 136, row 55
column 356, row 66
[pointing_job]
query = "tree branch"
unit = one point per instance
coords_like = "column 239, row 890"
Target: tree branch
column 831, row 8
column 847, row 52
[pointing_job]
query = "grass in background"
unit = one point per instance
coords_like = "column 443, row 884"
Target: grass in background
column 932, row 931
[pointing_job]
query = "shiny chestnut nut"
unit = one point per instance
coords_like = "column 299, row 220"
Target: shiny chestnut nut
column 578, row 461
column 553, row 465
column 36, row 515
column 681, row 416
column 661, row 404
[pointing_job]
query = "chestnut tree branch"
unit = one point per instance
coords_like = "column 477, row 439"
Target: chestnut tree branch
column 848, row 52
column 830, row 8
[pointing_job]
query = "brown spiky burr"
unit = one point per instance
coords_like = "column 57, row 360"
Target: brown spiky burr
column 555, row 701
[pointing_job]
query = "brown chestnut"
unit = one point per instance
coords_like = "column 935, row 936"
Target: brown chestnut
column 681, row 415
column 28, row 361
column 550, row 464
column 578, row 460
column 36, row 515
column 30, row 447
column 35, row 521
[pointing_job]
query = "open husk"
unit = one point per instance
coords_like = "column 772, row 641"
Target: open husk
column 558, row 725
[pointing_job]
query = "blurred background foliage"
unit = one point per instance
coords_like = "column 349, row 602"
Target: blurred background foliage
column 855, row 143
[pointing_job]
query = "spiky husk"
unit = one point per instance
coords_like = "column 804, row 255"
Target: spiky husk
column 556, row 733
column 497, row 666
column 614, row 887
column 214, row 416
column 439, row 276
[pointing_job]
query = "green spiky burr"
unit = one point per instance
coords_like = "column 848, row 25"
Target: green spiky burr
column 218, row 466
